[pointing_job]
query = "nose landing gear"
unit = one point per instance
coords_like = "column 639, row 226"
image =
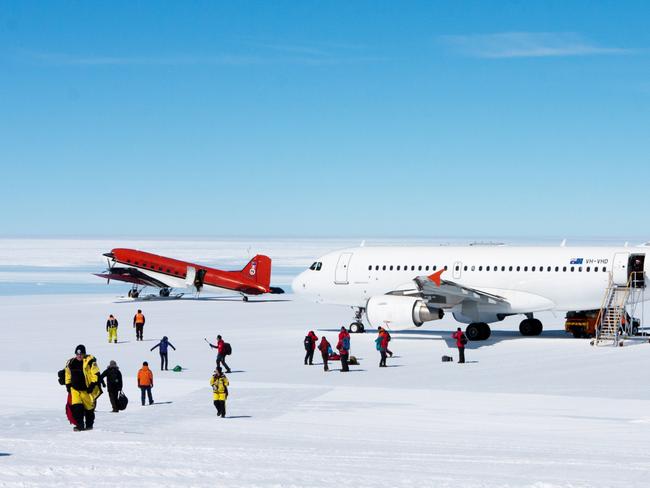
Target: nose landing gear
column 357, row 327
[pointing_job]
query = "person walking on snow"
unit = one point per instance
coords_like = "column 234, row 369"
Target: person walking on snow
column 381, row 343
column 310, row 347
column 138, row 323
column 114, row 381
column 344, row 349
column 324, row 348
column 163, row 345
column 221, row 353
column 145, row 382
column 219, row 383
column 82, row 382
column 111, row 328
column 461, row 340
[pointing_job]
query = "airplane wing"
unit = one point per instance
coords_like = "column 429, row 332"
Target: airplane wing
column 132, row 275
column 448, row 294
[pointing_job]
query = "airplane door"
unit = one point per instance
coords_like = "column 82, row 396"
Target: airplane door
column 619, row 268
column 341, row 273
column 457, row 269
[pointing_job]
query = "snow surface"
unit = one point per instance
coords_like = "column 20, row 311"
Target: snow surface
column 547, row 411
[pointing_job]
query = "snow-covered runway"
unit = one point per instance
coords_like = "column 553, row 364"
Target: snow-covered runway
column 540, row 412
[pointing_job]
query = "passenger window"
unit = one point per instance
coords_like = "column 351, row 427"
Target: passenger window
column 419, row 268
column 564, row 269
column 377, row 268
column 572, row 269
column 510, row 268
column 446, row 267
column 457, row 268
column 548, row 269
column 370, row 268
column 533, row 268
column 604, row 269
column 480, row 268
column 398, row 268
column 412, row 268
column 580, row 269
column 525, row 268
column 426, row 268
column 596, row 269
column 434, row 268
column 503, row 268
column 557, row 268
column 128, row 261
column 391, row 267
column 465, row 268
column 518, row 268
column 487, row 269
column 383, row 267
column 588, row 269
column 473, row 268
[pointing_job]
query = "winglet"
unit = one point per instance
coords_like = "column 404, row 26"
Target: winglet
column 435, row 277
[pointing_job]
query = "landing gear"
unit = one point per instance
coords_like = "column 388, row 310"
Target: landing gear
column 164, row 292
column 133, row 292
column 478, row 331
column 245, row 298
column 357, row 328
column 530, row 327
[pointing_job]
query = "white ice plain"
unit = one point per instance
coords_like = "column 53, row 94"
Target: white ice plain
column 541, row 412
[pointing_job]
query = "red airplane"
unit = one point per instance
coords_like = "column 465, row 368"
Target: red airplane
column 146, row 269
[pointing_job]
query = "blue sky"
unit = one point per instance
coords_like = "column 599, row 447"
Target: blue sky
column 325, row 118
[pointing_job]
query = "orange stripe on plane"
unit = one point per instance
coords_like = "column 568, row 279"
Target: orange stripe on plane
column 435, row 277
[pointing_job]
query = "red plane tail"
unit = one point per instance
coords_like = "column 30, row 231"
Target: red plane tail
column 259, row 270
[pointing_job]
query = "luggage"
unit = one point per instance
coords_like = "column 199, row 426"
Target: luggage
column 122, row 401
column 353, row 361
column 447, row 359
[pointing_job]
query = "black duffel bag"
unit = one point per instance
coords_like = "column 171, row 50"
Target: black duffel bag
column 122, row 401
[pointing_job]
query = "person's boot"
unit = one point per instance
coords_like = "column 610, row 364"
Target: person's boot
column 77, row 429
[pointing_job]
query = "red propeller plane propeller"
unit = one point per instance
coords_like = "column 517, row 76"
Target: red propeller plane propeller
column 145, row 269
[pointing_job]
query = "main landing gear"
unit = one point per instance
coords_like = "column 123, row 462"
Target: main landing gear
column 478, row 331
column 164, row 292
column 530, row 327
column 357, row 326
column 133, row 292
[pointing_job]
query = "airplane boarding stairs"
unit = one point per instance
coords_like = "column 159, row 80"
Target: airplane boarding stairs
column 616, row 318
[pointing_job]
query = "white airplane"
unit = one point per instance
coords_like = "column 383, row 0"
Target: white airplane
column 402, row 287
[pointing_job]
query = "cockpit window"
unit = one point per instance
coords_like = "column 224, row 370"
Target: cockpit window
column 319, row 266
column 316, row 266
column 313, row 266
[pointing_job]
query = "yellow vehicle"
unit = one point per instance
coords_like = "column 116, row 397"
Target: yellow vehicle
column 583, row 323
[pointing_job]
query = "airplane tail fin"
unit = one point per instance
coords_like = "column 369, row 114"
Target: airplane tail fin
column 259, row 270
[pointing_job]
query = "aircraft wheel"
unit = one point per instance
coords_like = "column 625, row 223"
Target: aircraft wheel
column 486, row 331
column 530, row 327
column 164, row 292
column 356, row 328
column 474, row 332
column 245, row 299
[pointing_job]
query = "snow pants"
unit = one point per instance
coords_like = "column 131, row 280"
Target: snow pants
column 147, row 390
column 112, row 396
column 461, row 354
column 344, row 362
column 382, row 361
column 163, row 361
column 220, row 405
column 112, row 334
column 309, row 356
column 139, row 328
column 221, row 359
column 325, row 358
column 83, row 408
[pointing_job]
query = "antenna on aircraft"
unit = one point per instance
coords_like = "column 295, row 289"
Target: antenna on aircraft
column 563, row 243
column 363, row 243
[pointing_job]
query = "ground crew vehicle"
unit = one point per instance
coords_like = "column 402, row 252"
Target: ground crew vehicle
column 583, row 323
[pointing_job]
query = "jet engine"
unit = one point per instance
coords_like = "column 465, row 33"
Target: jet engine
column 400, row 311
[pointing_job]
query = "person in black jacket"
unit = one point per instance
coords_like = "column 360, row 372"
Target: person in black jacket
column 114, row 383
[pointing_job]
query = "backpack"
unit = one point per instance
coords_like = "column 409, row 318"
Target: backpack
column 61, row 375
column 227, row 350
column 307, row 343
column 463, row 338
column 346, row 343
column 122, row 401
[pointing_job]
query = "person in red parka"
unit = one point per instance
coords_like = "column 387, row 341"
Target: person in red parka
column 310, row 347
column 461, row 340
column 382, row 345
column 323, row 347
column 344, row 349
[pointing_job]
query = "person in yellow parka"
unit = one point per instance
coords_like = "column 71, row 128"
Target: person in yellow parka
column 82, row 382
column 219, row 383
